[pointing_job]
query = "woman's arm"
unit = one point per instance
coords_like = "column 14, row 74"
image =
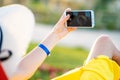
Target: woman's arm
column 35, row 58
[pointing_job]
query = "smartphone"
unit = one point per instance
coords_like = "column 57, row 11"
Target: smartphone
column 80, row 18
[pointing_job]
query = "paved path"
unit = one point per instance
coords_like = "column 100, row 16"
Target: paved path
column 83, row 37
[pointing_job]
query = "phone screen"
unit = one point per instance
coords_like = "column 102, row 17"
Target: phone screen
column 80, row 19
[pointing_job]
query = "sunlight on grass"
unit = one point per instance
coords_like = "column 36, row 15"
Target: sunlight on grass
column 65, row 57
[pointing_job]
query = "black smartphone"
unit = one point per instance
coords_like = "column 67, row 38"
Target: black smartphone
column 81, row 18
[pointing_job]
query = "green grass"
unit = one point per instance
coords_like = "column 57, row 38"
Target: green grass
column 61, row 57
column 66, row 57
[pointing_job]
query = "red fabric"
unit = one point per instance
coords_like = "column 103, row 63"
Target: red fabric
column 2, row 73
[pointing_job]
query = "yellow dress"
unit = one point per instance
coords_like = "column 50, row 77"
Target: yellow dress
column 100, row 68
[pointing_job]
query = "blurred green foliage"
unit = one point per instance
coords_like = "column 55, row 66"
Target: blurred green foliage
column 106, row 16
column 43, row 14
column 67, row 57
column 49, row 11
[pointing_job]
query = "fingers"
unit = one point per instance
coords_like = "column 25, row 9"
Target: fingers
column 72, row 29
column 65, row 19
column 64, row 15
column 68, row 9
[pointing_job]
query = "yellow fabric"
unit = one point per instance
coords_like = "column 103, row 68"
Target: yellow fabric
column 100, row 68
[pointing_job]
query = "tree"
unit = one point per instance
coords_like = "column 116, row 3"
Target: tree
column 105, row 18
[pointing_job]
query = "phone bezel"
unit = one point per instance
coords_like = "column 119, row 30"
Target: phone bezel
column 92, row 17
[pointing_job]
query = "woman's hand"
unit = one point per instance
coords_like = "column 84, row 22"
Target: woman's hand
column 60, row 28
column 38, row 55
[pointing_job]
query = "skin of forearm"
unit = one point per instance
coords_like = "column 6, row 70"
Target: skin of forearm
column 51, row 40
column 29, row 64
column 27, row 67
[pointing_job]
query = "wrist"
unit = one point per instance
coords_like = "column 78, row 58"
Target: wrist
column 44, row 48
column 58, row 34
column 55, row 36
column 50, row 41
